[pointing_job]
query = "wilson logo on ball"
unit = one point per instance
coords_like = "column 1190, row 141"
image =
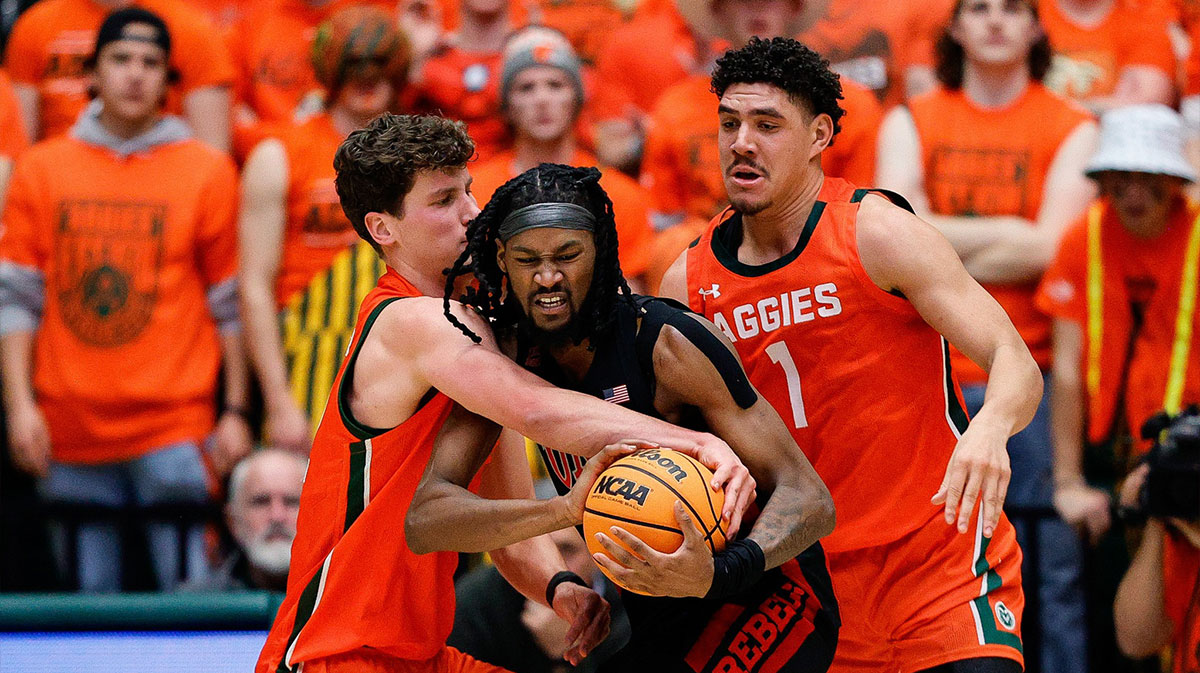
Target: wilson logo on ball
column 622, row 488
column 672, row 468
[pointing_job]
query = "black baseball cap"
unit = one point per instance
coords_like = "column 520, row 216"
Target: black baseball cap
column 117, row 25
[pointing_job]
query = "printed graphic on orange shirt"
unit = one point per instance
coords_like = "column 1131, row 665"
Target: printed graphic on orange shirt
column 106, row 271
column 325, row 225
column 66, row 56
column 1082, row 74
column 970, row 181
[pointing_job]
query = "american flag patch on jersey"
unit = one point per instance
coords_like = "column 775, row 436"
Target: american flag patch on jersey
column 616, row 395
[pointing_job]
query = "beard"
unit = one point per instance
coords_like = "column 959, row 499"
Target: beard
column 271, row 552
column 746, row 207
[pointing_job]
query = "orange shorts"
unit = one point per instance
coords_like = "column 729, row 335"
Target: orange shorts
column 929, row 598
column 448, row 660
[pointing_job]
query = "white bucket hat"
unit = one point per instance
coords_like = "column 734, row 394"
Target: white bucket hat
column 1141, row 139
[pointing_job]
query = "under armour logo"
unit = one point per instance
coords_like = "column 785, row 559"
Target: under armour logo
column 715, row 292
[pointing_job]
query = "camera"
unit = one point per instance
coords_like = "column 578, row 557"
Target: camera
column 1173, row 481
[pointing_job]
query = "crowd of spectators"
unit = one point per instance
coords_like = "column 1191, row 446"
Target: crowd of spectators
column 178, row 282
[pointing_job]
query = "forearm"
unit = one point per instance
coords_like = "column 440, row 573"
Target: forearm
column 529, row 565
column 16, row 360
column 1019, row 257
column 237, row 380
column 446, row 517
column 1142, row 628
column 208, row 113
column 1014, row 387
column 967, row 235
column 794, row 517
column 264, row 343
column 1066, row 429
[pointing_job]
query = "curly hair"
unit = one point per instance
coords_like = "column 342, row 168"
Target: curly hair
column 546, row 183
column 377, row 165
column 951, row 58
column 787, row 64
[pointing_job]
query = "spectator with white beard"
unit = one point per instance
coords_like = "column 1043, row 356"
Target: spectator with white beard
column 264, row 499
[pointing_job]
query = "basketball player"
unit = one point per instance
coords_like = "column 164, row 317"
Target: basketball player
column 544, row 251
column 357, row 598
column 837, row 300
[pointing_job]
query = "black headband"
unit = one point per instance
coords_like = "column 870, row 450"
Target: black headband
column 557, row 215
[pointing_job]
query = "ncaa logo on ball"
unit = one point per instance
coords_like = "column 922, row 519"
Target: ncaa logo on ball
column 1005, row 616
column 621, row 488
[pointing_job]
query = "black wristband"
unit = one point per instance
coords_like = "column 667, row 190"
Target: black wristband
column 559, row 578
column 236, row 410
column 736, row 569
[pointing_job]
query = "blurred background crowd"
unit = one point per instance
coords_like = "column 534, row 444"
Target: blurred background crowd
column 178, row 282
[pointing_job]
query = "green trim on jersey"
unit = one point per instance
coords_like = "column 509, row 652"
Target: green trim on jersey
column 992, row 635
column 728, row 258
column 954, row 409
column 357, row 487
column 343, row 394
column 304, row 611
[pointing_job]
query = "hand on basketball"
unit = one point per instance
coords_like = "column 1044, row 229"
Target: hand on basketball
column 730, row 474
column 587, row 614
column 978, row 470
column 686, row 572
column 598, row 463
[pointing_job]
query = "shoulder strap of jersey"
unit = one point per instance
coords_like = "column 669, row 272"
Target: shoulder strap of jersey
column 657, row 312
column 860, row 194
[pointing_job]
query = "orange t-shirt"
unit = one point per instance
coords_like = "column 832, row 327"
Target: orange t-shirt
column 50, row 42
column 588, row 24
column 317, row 229
column 1181, row 593
column 464, row 85
column 13, row 138
column 1146, row 272
column 865, row 42
column 1192, row 70
column 631, row 205
column 126, row 356
column 639, row 62
column 855, row 373
column 1088, row 61
column 984, row 162
column 353, row 581
column 681, row 168
column 224, row 15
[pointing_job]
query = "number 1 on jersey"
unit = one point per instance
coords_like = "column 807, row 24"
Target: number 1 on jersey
column 781, row 356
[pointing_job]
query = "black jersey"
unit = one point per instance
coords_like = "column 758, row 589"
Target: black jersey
column 787, row 622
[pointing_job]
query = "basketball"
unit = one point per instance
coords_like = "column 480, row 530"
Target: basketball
column 638, row 493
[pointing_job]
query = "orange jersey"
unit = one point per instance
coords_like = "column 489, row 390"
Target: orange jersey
column 13, row 138
column 317, row 230
column 1181, row 591
column 51, row 41
column 630, row 204
column 353, row 581
column 865, row 42
column 1088, row 61
column 681, row 167
column 128, row 247
column 465, row 85
column 1145, row 272
column 983, row 162
column 1192, row 70
column 861, row 380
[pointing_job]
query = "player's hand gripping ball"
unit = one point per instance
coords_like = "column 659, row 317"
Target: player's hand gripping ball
column 638, row 493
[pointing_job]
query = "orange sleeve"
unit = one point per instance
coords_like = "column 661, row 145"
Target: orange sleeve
column 858, row 141
column 611, row 97
column 25, row 55
column 26, row 218
column 661, row 174
column 631, row 210
column 217, row 232
column 13, row 138
column 926, row 23
column 1149, row 44
column 201, row 55
column 1181, row 563
column 1063, row 290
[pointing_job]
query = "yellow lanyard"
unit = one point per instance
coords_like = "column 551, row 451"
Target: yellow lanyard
column 1183, row 319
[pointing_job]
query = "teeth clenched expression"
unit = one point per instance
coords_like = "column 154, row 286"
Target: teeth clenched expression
column 550, row 271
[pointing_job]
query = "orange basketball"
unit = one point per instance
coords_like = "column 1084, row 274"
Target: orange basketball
column 638, row 493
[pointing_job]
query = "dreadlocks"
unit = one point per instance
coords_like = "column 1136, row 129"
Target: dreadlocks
column 547, row 183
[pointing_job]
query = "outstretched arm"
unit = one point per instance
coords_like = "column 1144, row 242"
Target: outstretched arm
column 901, row 252
column 798, row 509
column 415, row 331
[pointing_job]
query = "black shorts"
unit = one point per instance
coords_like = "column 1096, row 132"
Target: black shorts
column 788, row 623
